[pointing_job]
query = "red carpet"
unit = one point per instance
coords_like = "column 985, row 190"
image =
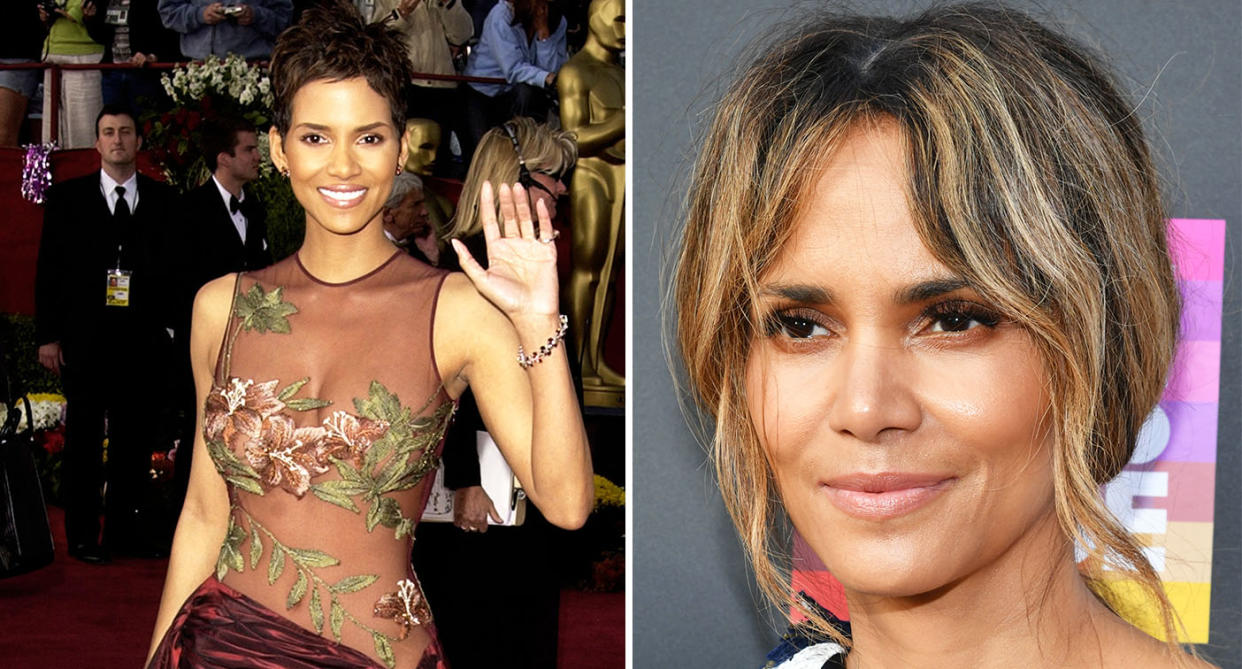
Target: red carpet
column 78, row 616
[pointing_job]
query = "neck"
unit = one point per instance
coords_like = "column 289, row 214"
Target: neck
column 597, row 50
column 1028, row 608
column 119, row 173
column 233, row 186
column 336, row 258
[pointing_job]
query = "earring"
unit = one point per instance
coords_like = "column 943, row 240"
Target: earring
column 284, row 172
column 399, row 169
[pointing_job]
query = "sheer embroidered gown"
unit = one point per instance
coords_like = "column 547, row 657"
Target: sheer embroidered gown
column 325, row 419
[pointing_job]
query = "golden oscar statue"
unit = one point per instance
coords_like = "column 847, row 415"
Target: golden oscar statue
column 423, row 137
column 592, row 92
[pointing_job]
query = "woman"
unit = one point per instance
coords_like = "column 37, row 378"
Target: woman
column 925, row 294
column 523, row 42
column 328, row 383
column 509, row 571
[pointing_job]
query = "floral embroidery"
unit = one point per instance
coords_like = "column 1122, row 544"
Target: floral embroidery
column 287, row 456
column 262, row 311
column 234, row 414
column 348, row 436
column 407, row 607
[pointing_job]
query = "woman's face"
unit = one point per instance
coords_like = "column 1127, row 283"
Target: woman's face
column 342, row 153
column 902, row 416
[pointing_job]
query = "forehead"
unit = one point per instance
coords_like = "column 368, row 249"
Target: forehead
column 115, row 122
column 854, row 218
column 247, row 138
column 343, row 103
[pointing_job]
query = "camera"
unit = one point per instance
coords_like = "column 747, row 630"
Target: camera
column 50, row 6
column 233, row 10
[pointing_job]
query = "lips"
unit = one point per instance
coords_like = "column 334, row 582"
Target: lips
column 885, row 495
column 342, row 196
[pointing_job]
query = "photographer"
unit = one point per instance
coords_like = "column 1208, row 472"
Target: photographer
column 131, row 32
column 221, row 28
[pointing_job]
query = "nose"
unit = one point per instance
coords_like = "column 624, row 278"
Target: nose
column 872, row 392
column 343, row 164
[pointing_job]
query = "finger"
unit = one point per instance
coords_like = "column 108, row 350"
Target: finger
column 468, row 264
column 508, row 215
column 521, row 202
column 546, row 233
column 491, row 511
column 487, row 211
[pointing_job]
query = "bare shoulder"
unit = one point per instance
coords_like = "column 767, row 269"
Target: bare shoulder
column 213, row 300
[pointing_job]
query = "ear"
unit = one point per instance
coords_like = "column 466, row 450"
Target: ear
column 139, row 147
column 405, row 150
column 276, row 148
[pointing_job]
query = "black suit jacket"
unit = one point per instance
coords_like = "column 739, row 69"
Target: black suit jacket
column 217, row 248
column 211, row 245
column 79, row 245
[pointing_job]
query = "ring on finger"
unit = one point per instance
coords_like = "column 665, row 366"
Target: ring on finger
column 551, row 238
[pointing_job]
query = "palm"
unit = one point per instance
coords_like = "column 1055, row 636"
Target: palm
column 521, row 274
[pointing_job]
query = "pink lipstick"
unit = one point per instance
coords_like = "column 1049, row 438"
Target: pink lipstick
column 885, row 495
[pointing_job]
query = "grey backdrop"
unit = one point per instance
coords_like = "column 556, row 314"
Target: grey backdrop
column 694, row 605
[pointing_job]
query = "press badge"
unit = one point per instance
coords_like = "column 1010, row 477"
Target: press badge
column 118, row 287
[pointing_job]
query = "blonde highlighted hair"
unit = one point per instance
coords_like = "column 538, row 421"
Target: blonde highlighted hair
column 495, row 160
column 1029, row 176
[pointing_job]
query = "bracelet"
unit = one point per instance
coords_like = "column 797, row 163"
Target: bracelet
column 528, row 361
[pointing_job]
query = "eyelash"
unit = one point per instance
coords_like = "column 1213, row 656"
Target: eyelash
column 800, row 324
column 314, row 139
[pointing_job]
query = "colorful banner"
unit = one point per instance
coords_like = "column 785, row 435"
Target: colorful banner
column 1166, row 495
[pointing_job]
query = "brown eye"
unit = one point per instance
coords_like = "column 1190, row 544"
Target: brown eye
column 798, row 327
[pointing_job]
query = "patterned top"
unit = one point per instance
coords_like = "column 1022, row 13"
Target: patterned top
column 326, row 415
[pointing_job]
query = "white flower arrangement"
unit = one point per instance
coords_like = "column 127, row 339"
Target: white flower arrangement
column 48, row 410
column 232, row 77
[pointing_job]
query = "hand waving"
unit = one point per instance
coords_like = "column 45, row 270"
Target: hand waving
column 521, row 275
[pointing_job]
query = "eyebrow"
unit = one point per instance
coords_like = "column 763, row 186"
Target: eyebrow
column 920, row 292
column 361, row 128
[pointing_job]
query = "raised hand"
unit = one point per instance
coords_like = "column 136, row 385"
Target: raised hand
column 521, row 275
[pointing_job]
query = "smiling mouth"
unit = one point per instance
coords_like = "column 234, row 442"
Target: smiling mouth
column 884, row 496
column 343, row 198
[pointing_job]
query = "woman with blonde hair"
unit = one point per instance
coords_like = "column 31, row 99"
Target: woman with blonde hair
column 924, row 293
column 517, row 151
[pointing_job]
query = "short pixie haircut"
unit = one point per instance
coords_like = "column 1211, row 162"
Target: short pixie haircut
column 332, row 42
column 1028, row 175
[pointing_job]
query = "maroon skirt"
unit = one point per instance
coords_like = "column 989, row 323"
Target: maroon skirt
column 219, row 627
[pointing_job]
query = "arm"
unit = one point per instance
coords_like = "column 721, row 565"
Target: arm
column 508, row 52
column 576, row 114
column 532, row 413
column 204, row 517
column 182, row 16
column 52, row 264
column 458, row 26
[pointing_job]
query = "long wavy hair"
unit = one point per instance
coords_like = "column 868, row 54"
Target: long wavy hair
column 1029, row 176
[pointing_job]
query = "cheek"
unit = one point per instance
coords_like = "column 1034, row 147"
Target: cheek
column 785, row 408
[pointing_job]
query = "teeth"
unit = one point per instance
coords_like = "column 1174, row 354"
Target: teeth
column 343, row 196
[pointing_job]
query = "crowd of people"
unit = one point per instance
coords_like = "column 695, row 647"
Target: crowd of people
column 124, row 356
column 524, row 42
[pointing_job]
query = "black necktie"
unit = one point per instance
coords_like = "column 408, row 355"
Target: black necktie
column 121, row 210
column 234, row 205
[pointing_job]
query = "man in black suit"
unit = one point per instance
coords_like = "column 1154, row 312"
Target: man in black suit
column 225, row 232
column 224, row 218
column 100, row 310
